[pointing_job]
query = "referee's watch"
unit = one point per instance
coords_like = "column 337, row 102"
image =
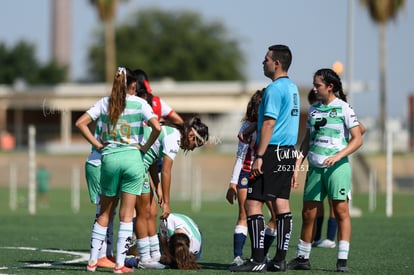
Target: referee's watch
column 258, row 156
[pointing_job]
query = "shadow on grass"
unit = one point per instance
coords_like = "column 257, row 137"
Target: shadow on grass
column 214, row 266
column 51, row 266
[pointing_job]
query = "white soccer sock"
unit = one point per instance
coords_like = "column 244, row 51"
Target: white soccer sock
column 144, row 249
column 155, row 248
column 97, row 239
column 102, row 251
column 270, row 231
column 240, row 229
column 124, row 236
column 304, row 249
column 343, row 250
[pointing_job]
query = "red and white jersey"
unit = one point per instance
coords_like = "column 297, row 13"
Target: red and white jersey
column 246, row 150
column 160, row 108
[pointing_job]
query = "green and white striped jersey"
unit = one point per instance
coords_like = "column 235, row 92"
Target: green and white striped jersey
column 329, row 129
column 167, row 143
column 129, row 130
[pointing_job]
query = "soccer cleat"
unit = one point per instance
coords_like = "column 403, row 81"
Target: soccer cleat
column 131, row 261
column 327, row 244
column 238, row 261
column 276, row 266
column 299, row 263
column 249, row 266
column 112, row 258
column 123, row 269
column 150, row 265
column 105, row 262
column 91, row 266
column 342, row 265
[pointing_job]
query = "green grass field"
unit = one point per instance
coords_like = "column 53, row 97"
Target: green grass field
column 379, row 245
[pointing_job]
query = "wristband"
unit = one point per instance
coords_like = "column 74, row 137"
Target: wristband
column 258, row 156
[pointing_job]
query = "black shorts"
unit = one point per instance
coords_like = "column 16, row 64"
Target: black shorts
column 275, row 182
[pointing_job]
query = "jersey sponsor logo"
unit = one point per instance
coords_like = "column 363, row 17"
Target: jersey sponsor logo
column 319, row 115
column 321, row 140
column 173, row 151
column 314, row 113
column 320, row 122
column 295, row 99
column 294, row 112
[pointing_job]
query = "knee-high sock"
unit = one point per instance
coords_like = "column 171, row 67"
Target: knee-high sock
column 97, row 239
column 239, row 238
column 343, row 249
column 124, row 240
column 102, row 251
column 284, row 229
column 143, row 245
column 332, row 227
column 304, row 249
column 270, row 235
column 155, row 248
column 255, row 225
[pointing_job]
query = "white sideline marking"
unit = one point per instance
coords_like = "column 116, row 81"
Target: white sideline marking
column 82, row 257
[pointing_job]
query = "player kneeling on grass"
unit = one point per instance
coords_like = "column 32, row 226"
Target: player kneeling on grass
column 181, row 242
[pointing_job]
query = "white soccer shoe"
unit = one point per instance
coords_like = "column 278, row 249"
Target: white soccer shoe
column 327, row 244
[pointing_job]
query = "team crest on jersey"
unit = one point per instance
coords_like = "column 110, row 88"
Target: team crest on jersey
column 333, row 113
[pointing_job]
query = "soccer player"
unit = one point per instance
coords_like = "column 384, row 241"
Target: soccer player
column 189, row 136
column 146, row 227
column 121, row 119
column 327, row 145
column 181, row 241
column 240, row 177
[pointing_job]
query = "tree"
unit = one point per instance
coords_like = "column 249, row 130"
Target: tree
column 178, row 45
column 19, row 63
column 106, row 11
column 381, row 11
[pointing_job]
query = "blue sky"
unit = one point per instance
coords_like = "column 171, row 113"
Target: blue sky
column 316, row 32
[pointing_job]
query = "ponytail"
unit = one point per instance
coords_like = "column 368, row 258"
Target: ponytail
column 117, row 102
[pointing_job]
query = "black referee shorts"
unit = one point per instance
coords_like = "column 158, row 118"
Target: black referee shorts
column 275, row 182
